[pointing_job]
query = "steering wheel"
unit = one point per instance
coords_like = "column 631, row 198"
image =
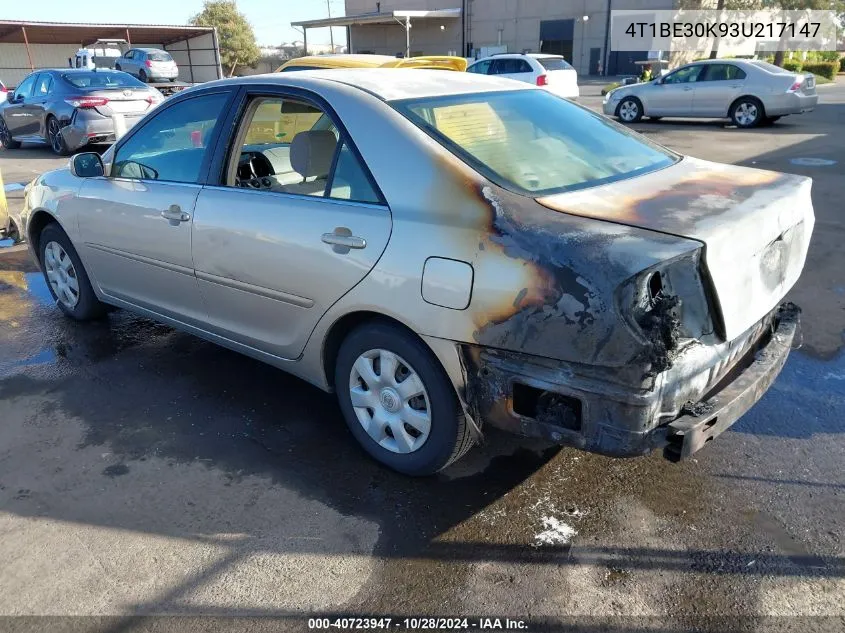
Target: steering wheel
column 247, row 175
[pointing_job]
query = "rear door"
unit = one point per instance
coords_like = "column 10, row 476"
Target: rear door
column 716, row 88
column 136, row 223
column 127, row 62
column 291, row 225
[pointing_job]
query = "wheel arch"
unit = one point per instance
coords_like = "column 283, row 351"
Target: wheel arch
column 635, row 98
column 36, row 224
column 340, row 329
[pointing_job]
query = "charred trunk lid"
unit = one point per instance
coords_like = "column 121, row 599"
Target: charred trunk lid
column 755, row 225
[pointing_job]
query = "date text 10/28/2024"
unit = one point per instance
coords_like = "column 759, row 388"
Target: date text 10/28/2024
column 418, row 624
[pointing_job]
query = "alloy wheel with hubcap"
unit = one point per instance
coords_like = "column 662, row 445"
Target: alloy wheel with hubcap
column 746, row 114
column 397, row 400
column 61, row 274
column 629, row 110
column 390, row 401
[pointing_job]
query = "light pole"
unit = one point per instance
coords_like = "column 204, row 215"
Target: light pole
column 584, row 19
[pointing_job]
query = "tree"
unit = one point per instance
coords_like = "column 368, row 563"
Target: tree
column 235, row 35
column 801, row 5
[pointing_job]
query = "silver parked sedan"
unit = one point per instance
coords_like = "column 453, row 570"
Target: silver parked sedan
column 72, row 107
column 494, row 255
column 148, row 64
column 748, row 92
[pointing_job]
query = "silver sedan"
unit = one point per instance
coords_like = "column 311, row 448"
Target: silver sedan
column 494, row 256
column 748, row 92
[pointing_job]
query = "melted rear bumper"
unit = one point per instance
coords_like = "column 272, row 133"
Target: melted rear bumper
column 582, row 406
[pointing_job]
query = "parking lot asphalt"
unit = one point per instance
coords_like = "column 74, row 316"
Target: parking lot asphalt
column 143, row 471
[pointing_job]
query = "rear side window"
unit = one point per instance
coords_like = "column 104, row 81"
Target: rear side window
column 173, row 144
column 102, row 79
column 510, row 66
column 723, row 72
column 159, row 56
column 553, row 63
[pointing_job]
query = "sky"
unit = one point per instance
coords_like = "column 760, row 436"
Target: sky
column 270, row 19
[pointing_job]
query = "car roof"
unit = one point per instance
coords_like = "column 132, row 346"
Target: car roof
column 149, row 50
column 341, row 60
column 388, row 83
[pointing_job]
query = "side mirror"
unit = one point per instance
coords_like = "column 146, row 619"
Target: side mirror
column 87, row 165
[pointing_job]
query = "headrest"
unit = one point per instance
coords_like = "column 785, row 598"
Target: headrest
column 311, row 153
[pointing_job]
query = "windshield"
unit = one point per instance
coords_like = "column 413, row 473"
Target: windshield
column 159, row 56
column 553, row 63
column 535, row 142
column 102, row 79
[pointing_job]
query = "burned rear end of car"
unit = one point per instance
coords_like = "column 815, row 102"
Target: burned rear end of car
column 622, row 347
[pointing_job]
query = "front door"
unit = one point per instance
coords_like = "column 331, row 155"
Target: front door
column 15, row 113
column 294, row 222
column 673, row 96
column 717, row 88
column 136, row 225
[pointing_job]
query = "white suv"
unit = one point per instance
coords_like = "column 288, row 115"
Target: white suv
column 550, row 71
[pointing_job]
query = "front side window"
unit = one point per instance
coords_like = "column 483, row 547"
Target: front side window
column 173, row 145
column 481, row 68
column 685, row 75
column 533, row 141
column 25, row 88
column 290, row 146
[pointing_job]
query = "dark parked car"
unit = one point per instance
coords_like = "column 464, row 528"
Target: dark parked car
column 70, row 108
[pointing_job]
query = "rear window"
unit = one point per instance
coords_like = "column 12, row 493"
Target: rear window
column 102, row 79
column 534, row 142
column 554, row 63
column 160, row 56
column 770, row 67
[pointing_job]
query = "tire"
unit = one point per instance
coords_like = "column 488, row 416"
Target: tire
column 54, row 137
column 366, row 350
column 6, row 140
column 629, row 110
column 142, row 75
column 173, row 80
column 86, row 305
column 747, row 112
column 117, row 67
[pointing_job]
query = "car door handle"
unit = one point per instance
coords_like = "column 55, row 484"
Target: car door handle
column 687, row 89
column 345, row 241
column 737, row 86
column 175, row 214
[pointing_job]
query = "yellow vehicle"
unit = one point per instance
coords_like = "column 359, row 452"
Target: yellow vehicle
column 318, row 62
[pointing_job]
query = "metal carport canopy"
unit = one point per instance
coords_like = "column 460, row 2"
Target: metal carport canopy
column 402, row 17
column 18, row 32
